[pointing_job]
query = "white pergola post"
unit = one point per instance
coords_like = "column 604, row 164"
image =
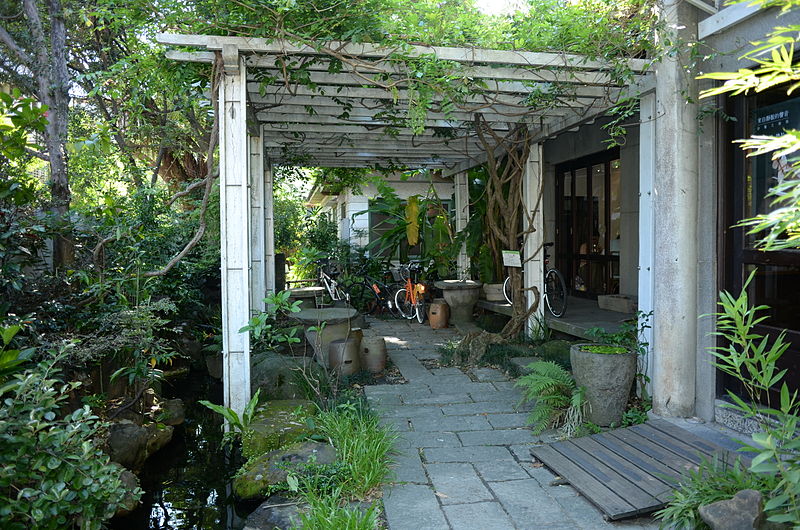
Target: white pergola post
column 647, row 169
column 268, row 176
column 532, row 254
column 462, row 217
column 234, row 231
column 258, row 269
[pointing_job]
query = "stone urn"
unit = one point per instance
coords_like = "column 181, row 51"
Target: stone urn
column 461, row 296
column 607, row 374
column 322, row 326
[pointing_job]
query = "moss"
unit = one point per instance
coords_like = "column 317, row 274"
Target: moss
column 275, row 425
column 604, row 349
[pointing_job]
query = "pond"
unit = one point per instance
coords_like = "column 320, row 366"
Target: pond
column 188, row 483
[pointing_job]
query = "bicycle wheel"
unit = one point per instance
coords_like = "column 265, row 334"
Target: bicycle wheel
column 420, row 310
column 509, row 296
column 389, row 292
column 364, row 298
column 555, row 293
column 403, row 304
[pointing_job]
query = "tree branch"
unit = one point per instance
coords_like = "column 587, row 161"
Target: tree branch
column 11, row 44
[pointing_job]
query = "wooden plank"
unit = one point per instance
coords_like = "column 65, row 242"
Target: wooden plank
column 648, row 483
column 642, row 460
column 706, row 446
column 726, row 18
column 668, row 458
column 591, row 488
column 616, row 482
column 673, row 444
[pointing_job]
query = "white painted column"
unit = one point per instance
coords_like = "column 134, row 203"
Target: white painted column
column 269, row 225
column 647, row 169
column 258, row 273
column 234, row 234
column 358, row 219
column 462, row 217
column 532, row 254
column 675, row 218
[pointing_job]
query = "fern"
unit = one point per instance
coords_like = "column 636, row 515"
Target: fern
column 558, row 401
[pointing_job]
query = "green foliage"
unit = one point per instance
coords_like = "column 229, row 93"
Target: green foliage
column 238, row 425
column 326, row 512
column 776, row 65
column 289, row 212
column 714, row 480
column 266, row 329
column 22, row 232
column 53, row 474
column 362, row 443
column 20, row 117
column 486, row 271
column 11, row 359
column 752, row 359
column 559, row 402
column 604, row 349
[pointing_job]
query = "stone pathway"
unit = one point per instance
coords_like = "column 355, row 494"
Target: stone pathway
column 465, row 461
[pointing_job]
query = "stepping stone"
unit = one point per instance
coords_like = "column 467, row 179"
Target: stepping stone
column 412, row 507
column 457, row 483
column 483, row 515
column 489, row 374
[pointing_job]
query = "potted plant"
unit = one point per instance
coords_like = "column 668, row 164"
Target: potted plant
column 608, row 367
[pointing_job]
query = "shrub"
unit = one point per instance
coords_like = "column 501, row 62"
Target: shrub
column 53, row 473
column 559, row 402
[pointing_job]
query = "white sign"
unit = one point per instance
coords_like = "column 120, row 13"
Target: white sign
column 511, row 258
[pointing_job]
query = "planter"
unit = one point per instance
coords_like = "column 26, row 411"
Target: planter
column 461, row 296
column 438, row 313
column 493, row 292
column 607, row 378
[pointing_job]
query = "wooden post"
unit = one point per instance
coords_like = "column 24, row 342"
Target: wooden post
column 269, row 227
column 258, row 271
column 647, row 169
column 234, row 233
column 532, row 253
column 462, row 217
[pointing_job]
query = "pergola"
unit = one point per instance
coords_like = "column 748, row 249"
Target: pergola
column 348, row 111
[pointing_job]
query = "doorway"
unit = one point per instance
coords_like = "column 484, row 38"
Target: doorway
column 588, row 227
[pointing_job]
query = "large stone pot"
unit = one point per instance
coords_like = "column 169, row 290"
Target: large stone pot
column 461, row 296
column 335, row 323
column 608, row 378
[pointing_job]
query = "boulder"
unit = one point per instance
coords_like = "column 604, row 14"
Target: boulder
column 272, row 468
column 281, row 376
column 173, row 412
column 158, row 435
column 744, row 511
column 276, row 512
column 130, row 501
column 127, row 444
column 276, row 424
column 214, row 365
column 556, row 351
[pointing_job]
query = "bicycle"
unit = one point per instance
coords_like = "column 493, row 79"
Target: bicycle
column 555, row 288
column 371, row 295
column 410, row 299
column 327, row 279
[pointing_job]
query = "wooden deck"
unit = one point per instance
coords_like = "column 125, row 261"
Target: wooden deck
column 629, row 472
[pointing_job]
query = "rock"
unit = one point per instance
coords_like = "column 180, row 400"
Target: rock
column 742, row 512
column 271, row 468
column 276, row 512
column 281, row 376
column 158, row 435
column 127, row 444
column 276, row 424
column 173, row 412
column 556, row 351
column 214, row 365
column 130, row 501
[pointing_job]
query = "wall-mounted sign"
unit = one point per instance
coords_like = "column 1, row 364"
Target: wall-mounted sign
column 511, row 258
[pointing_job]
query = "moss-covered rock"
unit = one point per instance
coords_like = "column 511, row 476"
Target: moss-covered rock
column 556, row 351
column 281, row 376
column 258, row 474
column 276, row 424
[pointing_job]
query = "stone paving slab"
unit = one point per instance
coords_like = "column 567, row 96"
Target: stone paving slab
column 458, row 483
column 468, row 441
column 483, row 515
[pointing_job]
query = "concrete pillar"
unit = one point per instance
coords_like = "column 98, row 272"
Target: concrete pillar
column 462, row 217
column 258, row 273
column 675, row 217
column 532, row 254
column 234, row 234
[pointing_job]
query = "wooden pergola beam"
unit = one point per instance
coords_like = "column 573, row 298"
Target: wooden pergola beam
column 469, row 56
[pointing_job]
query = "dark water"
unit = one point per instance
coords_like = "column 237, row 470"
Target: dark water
column 188, row 483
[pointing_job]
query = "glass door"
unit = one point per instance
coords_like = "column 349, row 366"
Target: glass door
column 588, row 228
